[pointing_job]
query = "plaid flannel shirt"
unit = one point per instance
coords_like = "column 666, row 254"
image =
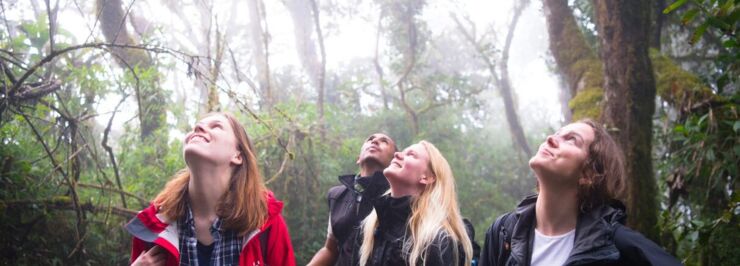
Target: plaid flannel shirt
column 226, row 249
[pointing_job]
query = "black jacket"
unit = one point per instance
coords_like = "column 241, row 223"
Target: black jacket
column 601, row 239
column 349, row 204
column 390, row 235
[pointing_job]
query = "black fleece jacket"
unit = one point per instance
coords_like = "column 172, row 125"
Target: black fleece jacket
column 391, row 233
column 601, row 239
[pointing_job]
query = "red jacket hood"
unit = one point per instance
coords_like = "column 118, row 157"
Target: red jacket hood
column 274, row 206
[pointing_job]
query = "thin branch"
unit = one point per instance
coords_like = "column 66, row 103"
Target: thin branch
column 141, row 200
column 376, row 62
column 108, row 149
column 75, row 199
column 5, row 19
column 64, row 203
column 56, row 53
column 287, row 156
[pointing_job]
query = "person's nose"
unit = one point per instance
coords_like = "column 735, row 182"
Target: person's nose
column 375, row 142
column 398, row 155
column 553, row 141
column 199, row 128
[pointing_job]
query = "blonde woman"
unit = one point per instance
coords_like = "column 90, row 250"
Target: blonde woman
column 418, row 221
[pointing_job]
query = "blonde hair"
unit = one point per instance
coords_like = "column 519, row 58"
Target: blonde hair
column 243, row 207
column 434, row 211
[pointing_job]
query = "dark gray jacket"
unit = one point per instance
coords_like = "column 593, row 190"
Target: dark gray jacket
column 601, row 239
column 349, row 204
column 391, row 233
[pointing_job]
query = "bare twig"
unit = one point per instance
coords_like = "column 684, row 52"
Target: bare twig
column 56, row 53
column 286, row 157
column 141, row 200
column 65, row 203
column 108, row 149
column 75, row 199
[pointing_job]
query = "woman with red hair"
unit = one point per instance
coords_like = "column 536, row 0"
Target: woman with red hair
column 216, row 211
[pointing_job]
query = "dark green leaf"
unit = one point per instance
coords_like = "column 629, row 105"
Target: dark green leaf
column 698, row 33
column 689, row 16
column 674, row 6
column 718, row 23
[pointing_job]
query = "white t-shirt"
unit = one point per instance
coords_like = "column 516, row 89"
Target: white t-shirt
column 552, row 250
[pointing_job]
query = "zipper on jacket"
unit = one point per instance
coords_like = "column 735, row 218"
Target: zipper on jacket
column 357, row 203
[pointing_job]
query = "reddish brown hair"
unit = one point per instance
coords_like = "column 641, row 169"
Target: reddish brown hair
column 604, row 169
column 243, row 207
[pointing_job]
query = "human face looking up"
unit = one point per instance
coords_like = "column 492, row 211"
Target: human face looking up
column 212, row 140
column 409, row 171
column 563, row 155
column 377, row 149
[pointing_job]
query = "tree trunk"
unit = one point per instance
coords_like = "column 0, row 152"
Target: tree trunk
column 305, row 22
column 503, row 82
column 657, row 28
column 512, row 117
column 578, row 64
column 260, row 52
column 629, row 88
column 150, row 96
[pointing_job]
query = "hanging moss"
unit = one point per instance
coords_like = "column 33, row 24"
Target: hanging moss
column 587, row 100
column 675, row 85
column 587, row 103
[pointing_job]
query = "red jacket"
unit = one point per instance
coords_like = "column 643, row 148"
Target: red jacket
column 150, row 228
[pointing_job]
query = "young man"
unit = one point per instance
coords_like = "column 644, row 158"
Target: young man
column 351, row 202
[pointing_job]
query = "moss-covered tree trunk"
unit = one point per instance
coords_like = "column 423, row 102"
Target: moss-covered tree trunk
column 149, row 95
column 629, row 97
column 576, row 61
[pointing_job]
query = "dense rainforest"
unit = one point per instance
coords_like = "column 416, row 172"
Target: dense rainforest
column 96, row 96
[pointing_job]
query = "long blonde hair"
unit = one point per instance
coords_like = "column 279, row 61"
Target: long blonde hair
column 434, row 211
column 243, row 207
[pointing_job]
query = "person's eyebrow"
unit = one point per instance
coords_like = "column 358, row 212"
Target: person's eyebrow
column 576, row 135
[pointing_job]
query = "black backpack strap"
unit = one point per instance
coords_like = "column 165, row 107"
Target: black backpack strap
column 504, row 226
column 334, row 194
column 263, row 242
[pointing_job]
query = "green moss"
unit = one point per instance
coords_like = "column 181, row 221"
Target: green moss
column 587, row 103
column 674, row 85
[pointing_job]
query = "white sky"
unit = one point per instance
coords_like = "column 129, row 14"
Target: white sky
column 536, row 87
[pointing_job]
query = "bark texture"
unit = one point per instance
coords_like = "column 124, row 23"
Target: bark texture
column 578, row 64
column 629, row 96
column 150, row 97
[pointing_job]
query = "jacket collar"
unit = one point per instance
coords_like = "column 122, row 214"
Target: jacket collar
column 393, row 214
column 594, row 239
column 374, row 184
column 150, row 226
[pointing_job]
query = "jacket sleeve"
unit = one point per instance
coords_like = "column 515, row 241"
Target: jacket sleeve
column 137, row 247
column 635, row 249
column 280, row 249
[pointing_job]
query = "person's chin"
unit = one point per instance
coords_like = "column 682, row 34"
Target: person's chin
column 194, row 152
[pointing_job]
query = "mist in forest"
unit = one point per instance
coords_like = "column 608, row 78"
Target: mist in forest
column 97, row 96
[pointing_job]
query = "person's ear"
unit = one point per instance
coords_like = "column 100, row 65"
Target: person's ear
column 586, row 175
column 237, row 158
column 427, row 179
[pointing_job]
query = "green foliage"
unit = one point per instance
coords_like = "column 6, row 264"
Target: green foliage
column 722, row 16
column 701, row 171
